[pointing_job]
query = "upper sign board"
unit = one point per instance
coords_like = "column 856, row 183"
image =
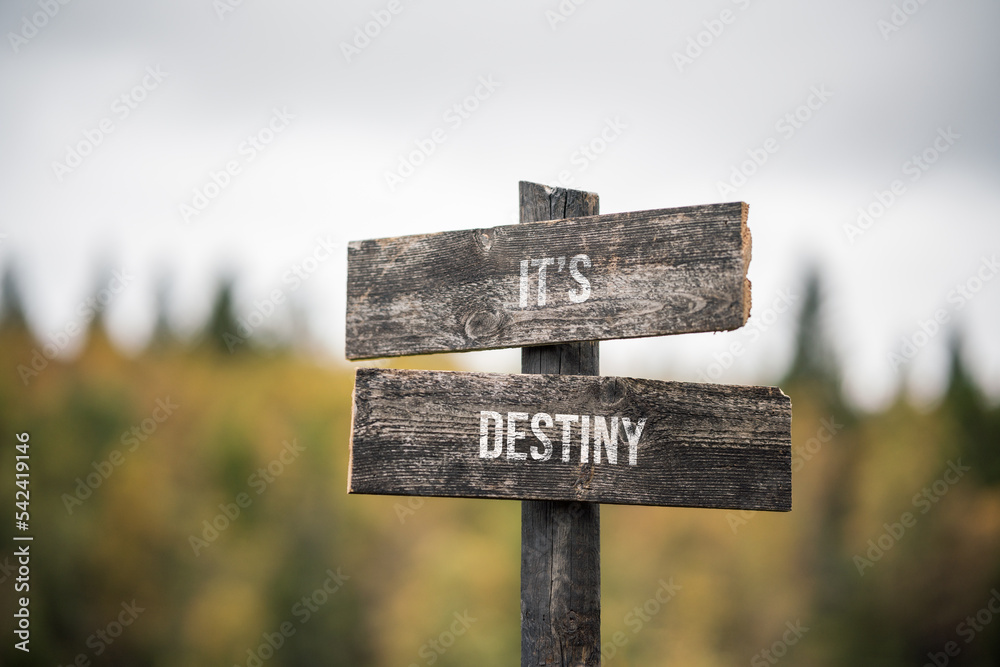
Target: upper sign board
column 623, row 275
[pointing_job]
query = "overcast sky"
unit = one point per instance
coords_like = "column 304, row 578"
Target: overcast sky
column 118, row 117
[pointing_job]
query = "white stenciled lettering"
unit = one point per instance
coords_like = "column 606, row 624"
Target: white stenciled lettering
column 513, row 435
column 536, row 423
column 485, row 452
column 608, row 438
column 581, row 295
column 542, row 264
column 525, row 263
column 577, row 293
column 597, row 434
column 567, row 421
column 633, row 438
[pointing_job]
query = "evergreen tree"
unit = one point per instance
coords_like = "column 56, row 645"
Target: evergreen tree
column 12, row 315
column 814, row 366
column 222, row 330
column 97, row 305
column 977, row 427
column 163, row 335
column 813, row 358
column 814, row 382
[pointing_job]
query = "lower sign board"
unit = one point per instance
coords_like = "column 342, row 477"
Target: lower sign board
column 570, row 437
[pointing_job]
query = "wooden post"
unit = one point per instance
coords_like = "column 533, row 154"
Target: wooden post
column 560, row 541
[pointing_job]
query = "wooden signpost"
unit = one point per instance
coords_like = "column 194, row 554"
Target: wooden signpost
column 558, row 440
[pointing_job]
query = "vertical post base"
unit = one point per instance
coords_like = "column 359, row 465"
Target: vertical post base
column 560, row 584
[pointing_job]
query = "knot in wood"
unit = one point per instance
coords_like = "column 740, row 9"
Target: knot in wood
column 584, row 478
column 571, row 623
column 691, row 303
column 613, row 391
column 485, row 238
column 484, row 322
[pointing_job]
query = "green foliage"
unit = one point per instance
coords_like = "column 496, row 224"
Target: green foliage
column 226, row 519
column 11, row 305
column 222, row 329
column 976, row 425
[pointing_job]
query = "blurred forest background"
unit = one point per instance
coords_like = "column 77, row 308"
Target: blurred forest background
column 135, row 457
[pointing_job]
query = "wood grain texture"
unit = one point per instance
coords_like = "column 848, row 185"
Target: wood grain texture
column 560, row 541
column 703, row 445
column 560, row 584
column 650, row 273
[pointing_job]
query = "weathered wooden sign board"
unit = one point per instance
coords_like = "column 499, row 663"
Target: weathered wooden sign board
column 570, row 437
column 623, row 275
column 560, row 438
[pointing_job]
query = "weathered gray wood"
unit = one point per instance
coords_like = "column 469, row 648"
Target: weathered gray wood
column 702, row 445
column 560, row 541
column 650, row 273
column 560, row 584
